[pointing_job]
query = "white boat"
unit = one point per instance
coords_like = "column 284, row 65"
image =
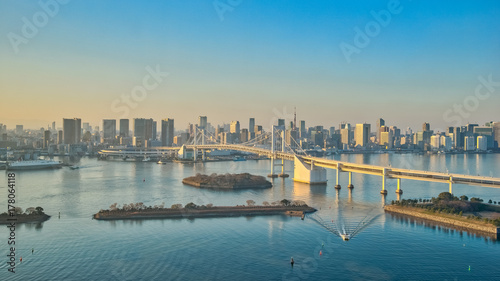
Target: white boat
column 146, row 159
column 33, row 165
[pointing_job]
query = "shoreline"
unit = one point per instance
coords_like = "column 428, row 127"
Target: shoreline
column 212, row 212
column 447, row 220
column 227, row 187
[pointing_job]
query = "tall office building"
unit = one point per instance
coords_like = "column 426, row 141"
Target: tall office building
column 496, row 133
column 345, row 138
column 46, row 138
column 380, row 123
column 109, row 128
column 362, row 134
column 426, row 127
column 235, row 130
column 60, row 137
column 251, row 125
column 302, row 129
column 72, row 130
column 54, row 126
column 143, row 130
column 244, row 135
column 86, row 126
column 167, row 132
column 155, row 128
column 281, row 122
column 202, row 122
column 19, row 129
column 124, row 127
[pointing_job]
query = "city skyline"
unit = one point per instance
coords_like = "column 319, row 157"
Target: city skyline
column 425, row 59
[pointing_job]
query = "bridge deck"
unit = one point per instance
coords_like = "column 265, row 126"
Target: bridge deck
column 325, row 163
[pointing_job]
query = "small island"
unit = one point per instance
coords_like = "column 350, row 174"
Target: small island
column 452, row 211
column 191, row 210
column 228, row 181
column 31, row 214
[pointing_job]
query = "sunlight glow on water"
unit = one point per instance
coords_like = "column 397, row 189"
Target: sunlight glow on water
column 75, row 247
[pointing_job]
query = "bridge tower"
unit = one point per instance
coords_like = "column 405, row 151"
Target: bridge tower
column 203, row 156
column 283, row 175
column 273, row 153
column 195, row 151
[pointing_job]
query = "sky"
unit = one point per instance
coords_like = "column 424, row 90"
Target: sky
column 407, row 62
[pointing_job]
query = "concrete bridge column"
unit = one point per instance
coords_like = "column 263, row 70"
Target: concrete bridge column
column 383, row 191
column 451, row 185
column 350, row 186
column 337, row 186
column 399, row 190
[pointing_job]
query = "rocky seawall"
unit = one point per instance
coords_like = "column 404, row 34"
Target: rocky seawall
column 169, row 213
column 447, row 220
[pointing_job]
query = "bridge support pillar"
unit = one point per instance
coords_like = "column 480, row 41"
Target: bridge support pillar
column 272, row 174
column 306, row 173
column 399, row 190
column 383, row 191
column 337, row 186
column 350, row 186
column 451, row 185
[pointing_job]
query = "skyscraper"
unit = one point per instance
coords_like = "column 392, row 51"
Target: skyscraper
column 496, row 133
column 303, row 131
column 202, row 122
column 72, row 130
column 19, row 129
column 362, row 134
column 251, row 125
column 380, row 123
column 109, row 128
column 46, row 138
column 167, row 132
column 426, row 127
column 143, row 130
column 124, row 127
column 155, row 128
column 281, row 122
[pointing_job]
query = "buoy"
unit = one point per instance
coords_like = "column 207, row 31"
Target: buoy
column 320, row 253
column 143, row 180
column 32, row 250
column 21, row 260
column 469, row 267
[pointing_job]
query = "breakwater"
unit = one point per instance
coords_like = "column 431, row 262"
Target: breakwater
column 222, row 211
column 444, row 219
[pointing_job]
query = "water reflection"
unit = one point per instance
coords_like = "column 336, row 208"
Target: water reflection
column 405, row 220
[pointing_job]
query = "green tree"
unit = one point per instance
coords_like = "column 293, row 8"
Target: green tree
column 445, row 196
column 191, row 205
column 285, row 202
column 464, row 198
column 39, row 210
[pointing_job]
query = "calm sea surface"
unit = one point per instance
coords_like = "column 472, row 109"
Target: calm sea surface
column 75, row 247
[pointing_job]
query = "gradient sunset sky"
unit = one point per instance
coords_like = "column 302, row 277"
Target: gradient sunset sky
column 255, row 59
